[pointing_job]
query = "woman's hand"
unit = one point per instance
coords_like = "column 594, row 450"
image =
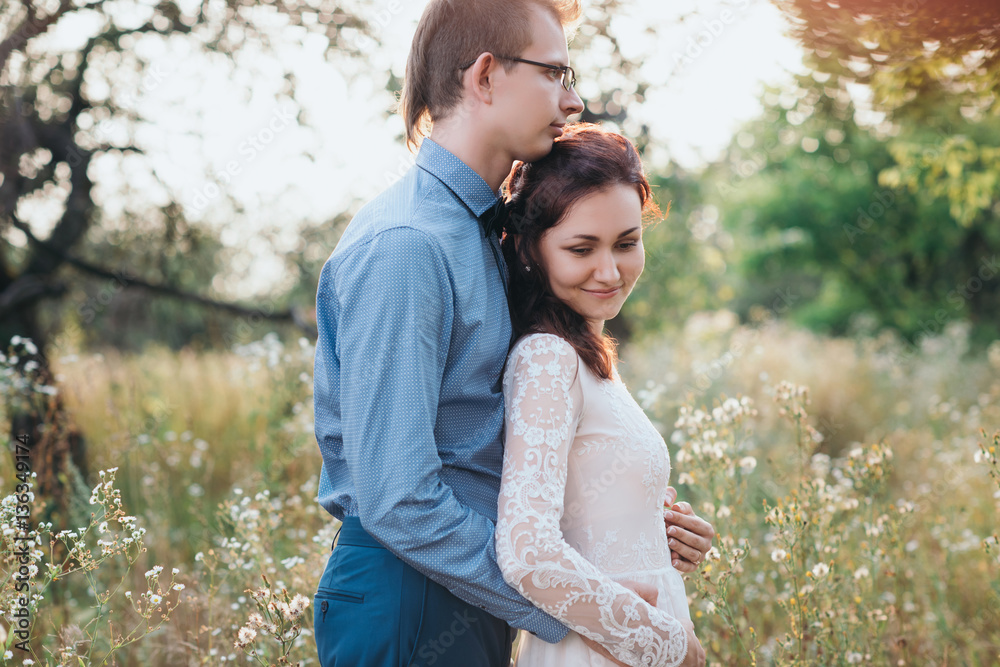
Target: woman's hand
column 647, row 592
column 690, row 536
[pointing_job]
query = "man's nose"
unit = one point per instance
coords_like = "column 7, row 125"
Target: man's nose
column 571, row 102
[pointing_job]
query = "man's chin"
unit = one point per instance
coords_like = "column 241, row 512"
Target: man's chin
column 542, row 148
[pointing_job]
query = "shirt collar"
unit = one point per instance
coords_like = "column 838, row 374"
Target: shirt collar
column 467, row 185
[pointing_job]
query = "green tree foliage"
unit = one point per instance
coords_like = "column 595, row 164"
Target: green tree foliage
column 686, row 267
column 912, row 55
column 872, row 186
column 850, row 223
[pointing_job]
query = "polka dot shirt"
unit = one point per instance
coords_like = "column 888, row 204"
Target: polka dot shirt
column 413, row 333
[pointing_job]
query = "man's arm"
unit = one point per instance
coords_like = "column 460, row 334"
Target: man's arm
column 392, row 337
column 689, row 536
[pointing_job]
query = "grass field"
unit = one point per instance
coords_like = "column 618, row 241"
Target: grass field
column 853, row 484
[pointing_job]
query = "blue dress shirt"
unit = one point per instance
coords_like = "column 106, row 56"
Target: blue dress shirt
column 413, row 334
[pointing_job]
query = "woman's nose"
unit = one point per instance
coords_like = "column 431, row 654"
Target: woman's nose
column 607, row 269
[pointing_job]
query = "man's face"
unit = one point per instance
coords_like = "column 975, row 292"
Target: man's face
column 530, row 104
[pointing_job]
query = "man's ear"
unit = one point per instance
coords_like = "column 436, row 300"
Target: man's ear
column 480, row 86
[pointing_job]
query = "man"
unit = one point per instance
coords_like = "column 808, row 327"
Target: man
column 413, row 334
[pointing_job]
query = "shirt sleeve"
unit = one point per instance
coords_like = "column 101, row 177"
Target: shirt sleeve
column 392, row 339
column 544, row 404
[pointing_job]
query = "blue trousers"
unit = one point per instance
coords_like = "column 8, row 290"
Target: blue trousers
column 373, row 610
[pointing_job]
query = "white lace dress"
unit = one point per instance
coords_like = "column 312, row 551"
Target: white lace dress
column 581, row 508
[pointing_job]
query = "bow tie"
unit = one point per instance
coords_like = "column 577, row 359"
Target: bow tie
column 495, row 218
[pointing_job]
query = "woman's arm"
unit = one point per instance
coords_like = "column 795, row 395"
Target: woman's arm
column 543, row 398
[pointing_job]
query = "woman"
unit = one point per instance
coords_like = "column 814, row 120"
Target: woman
column 585, row 473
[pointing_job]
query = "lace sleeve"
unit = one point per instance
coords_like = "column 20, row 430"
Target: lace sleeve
column 544, row 404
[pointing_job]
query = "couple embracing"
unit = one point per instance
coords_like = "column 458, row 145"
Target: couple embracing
column 490, row 469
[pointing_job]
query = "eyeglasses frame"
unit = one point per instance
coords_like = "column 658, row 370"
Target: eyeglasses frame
column 564, row 69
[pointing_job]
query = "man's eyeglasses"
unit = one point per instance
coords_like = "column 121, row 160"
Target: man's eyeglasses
column 568, row 79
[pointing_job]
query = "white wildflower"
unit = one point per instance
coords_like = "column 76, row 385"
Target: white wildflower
column 245, row 636
column 297, row 606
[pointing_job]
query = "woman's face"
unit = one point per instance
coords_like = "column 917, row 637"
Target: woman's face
column 594, row 255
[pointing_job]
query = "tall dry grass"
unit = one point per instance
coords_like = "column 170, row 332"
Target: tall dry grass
column 856, row 518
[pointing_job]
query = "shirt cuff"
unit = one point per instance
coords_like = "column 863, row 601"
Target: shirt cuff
column 545, row 627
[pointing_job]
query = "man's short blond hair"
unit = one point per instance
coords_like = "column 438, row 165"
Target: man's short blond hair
column 452, row 33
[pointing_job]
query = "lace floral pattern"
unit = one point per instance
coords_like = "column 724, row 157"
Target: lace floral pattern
column 580, row 460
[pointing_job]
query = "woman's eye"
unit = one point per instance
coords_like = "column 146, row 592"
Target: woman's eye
column 579, row 251
column 628, row 244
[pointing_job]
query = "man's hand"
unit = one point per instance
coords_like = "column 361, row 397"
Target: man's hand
column 689, row 536
column 647, row 592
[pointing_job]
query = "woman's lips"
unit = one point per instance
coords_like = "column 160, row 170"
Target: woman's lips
column 604, row 294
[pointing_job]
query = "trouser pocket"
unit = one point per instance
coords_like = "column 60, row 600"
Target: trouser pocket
column 360, row 614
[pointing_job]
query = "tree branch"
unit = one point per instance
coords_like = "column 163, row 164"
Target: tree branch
column 25, row 290
column 32, row 26
column 294, row 315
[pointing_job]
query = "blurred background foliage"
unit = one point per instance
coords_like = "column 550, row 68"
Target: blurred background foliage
column 864, row 196
column 846, row 218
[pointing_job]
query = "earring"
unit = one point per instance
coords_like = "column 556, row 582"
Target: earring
column 527, row 268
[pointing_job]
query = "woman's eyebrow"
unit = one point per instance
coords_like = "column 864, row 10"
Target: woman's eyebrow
column 588, row 237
